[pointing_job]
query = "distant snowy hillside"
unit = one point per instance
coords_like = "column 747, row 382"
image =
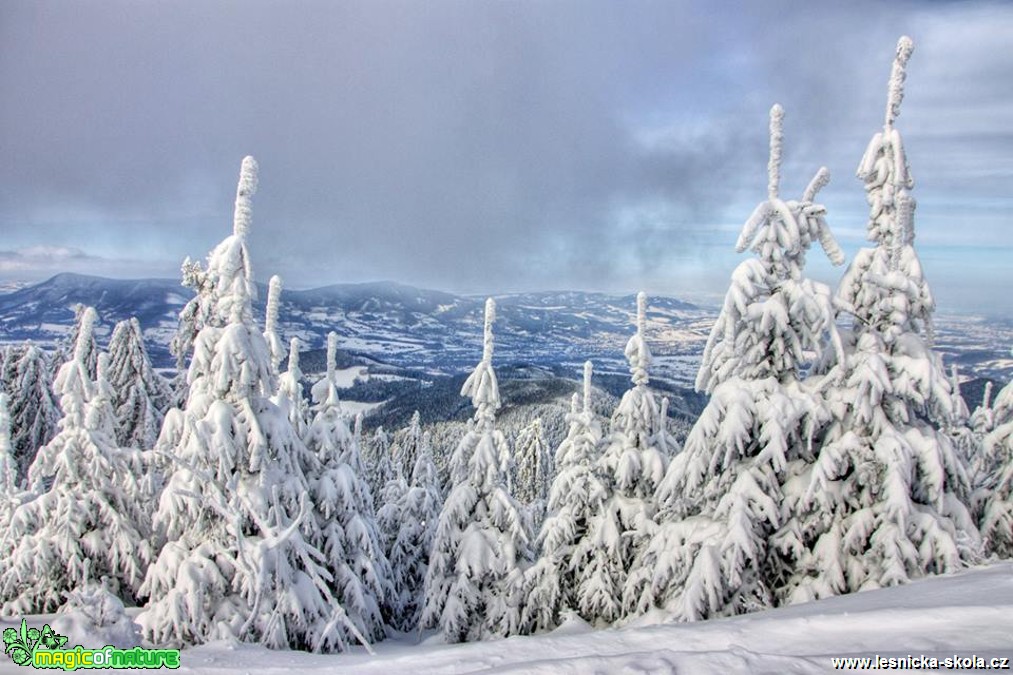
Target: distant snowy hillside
column 964, row 614
column 440, row 332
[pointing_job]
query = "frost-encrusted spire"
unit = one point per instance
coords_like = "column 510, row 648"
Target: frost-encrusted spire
column 897, row 76
column 490, row 318
column 293, row 355
column 274, row 343
column 85, row 334
column 587, row 386
column 332, row 354
column 637, row 352
column 819, row 181
column 247, row 187
column 776, row 143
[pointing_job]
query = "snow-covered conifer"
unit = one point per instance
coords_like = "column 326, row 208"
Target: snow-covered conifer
column 888, row 490
column 237, row 562
column 408, row 441
column 568, row 561
column 727, row 533
column 474, row 581
column 994, row 494
column 419, row 512
column 141, row 396
column 379, row 468
column 343, row 505
column 8, row 469
column 33, row 409
column 533, row 471
column 86, row 524
column 632, row 466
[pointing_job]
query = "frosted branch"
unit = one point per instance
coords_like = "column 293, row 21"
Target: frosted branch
column 587, row 386
column 776, row 142
column 490, row 317
column 897, row 76
column 819, row 181
column 243, row 214
column 293, row 355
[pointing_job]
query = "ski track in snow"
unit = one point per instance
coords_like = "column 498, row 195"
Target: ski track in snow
column 964, row 614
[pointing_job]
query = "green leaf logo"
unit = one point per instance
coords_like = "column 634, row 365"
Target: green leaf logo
column 21, row 645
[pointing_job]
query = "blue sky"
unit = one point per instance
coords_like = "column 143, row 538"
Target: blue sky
column 479, row 146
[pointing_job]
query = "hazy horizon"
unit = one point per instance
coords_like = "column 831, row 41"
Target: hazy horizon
column 492, row 147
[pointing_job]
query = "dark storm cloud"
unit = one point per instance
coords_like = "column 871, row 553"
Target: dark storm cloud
column 466, row 145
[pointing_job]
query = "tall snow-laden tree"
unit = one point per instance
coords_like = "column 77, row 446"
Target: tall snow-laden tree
column 343, row 506
column 631, row 465
column 141, row 395
column 33, row 409
column 888, row 490
column 408, row 441
column 274, row 344
column 87, row 524
column 568, row 564
column 91, row 349
column 474, row 581
column 418, row 511
column 237, row 563
column 994, row 493
column 728, row 531
column 379, row 468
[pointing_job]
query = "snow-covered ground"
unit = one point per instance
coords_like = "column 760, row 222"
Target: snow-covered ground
column 964, row 614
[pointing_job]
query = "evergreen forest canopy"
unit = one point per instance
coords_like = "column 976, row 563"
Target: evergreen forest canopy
column 835, row 454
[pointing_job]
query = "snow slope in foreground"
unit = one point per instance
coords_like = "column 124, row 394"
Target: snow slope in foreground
column 963, row 614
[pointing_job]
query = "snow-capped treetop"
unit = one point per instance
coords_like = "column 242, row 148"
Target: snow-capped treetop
column 332, row 355
column 960, row 410
column 86, row 333
column 72, row 383
column 271, row 322
column 247, row 187
column 776, row 144
column 588, row 368
column 637, row 351
column 897, row 76
column 481, row 385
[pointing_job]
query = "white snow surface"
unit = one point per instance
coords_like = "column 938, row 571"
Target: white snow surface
column 963, row 614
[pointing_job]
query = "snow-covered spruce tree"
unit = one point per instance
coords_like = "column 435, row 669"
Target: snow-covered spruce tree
column 408, row 552
column 141, row 395
column 91, row 350
column 567, row 546
column 408, row 441
column 236, row 563
column 33, row 409
column 8, row 468
column 290, row 397
column 994, row 494
column 632, row 465
column 379, row 468
column 474, row 581
column 274, row 344
column 343, row 506
column 888, row 489
column 728, row 535
column 87, row 525
column 533, row 469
